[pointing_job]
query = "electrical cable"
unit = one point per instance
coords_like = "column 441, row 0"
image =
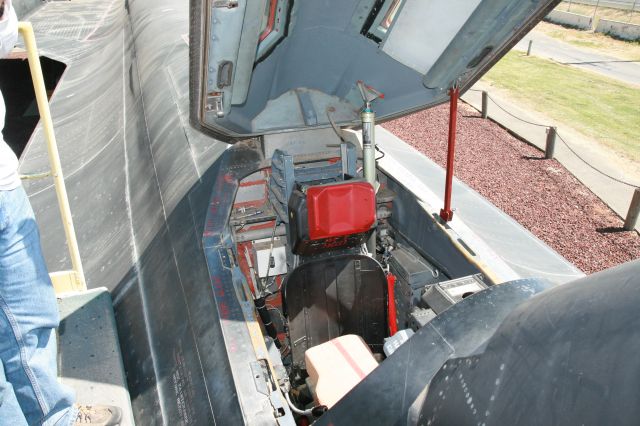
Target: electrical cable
column 334, row 125
column 592, row 167
column 515, row 116
column 295, row 409
column 563, row 141
column 266, row 278
column 273, row 308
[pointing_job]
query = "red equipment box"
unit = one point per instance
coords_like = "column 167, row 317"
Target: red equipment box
column 340, row 209
column 331, row 216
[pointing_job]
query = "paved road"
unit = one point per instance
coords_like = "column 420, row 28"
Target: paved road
column 565, row 53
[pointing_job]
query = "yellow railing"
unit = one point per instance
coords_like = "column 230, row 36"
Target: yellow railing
column 65, row 280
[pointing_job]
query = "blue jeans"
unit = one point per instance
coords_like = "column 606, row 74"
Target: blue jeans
column 29, row 389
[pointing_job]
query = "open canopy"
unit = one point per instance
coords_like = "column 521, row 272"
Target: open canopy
column 264, row 66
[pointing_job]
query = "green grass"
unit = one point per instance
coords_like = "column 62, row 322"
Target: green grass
column 596, row 106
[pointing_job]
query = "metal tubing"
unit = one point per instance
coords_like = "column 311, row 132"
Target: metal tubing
column 259, row 234
column 551, row 143
column 446, row 213
column 26, row 30
column 369, row 147
column 529, row 48
column 369, row 160
column 485, row 104
column 634, row 211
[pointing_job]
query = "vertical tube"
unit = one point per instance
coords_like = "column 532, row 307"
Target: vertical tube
column 368, row 146
column 529, row 48
column 446, row 213
column 344, row 159
column 26, row 30
column 369, row 160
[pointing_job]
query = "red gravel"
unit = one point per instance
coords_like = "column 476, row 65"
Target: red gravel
column 540, row 194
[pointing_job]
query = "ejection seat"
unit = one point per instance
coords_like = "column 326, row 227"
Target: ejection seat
column 335, row 290
column 333, row 296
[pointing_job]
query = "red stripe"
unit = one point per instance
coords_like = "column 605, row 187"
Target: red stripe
column 350, row 360
column 253, row 183
column 271, row 21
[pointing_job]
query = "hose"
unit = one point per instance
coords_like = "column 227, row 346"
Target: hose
column 295, row 409
column 265, row 316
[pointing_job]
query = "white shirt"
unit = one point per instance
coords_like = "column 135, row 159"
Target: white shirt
column 9, row 178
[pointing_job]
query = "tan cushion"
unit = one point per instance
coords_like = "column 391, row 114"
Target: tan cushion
column 337, row 366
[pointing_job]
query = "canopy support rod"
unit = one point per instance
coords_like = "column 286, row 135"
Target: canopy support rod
column 446, row 213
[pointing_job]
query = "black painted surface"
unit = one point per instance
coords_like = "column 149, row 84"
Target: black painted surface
column 566, row 356
column 138, row 186
column 330, row 297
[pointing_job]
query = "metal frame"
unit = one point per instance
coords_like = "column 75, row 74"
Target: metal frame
column 63, row 281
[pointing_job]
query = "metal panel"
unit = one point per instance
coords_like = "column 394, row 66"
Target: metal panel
column 424, row 29
column 234, row 313
column 323, row 56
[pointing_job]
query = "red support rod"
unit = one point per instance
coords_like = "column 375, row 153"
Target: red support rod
column 446, row 213
column 391, row 304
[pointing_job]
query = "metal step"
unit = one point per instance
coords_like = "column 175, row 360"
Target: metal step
column 89, row 358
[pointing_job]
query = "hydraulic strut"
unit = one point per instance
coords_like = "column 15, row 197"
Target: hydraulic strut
column 446, row 213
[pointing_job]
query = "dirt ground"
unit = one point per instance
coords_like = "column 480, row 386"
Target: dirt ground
column 540, row 194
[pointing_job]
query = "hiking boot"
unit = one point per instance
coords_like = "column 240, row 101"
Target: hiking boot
column 103, row 415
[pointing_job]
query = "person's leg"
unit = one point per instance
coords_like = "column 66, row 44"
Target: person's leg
column 28, row 317
column 10, row 411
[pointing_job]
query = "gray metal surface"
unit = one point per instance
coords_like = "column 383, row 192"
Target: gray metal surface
column 89, row 359
column 138, row 188
column 234, row 311
column 25, row 7
column 437, row 21
column 324, row 55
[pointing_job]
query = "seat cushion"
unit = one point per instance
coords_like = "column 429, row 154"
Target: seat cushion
column 337, row 366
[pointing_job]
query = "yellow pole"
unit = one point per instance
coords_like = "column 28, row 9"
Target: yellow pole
column 26, row 30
